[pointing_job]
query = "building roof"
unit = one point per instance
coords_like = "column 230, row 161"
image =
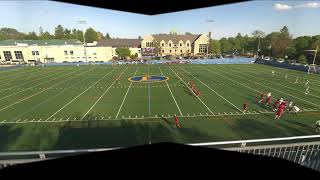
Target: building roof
column 176, row 38
column 51, row 42
column 120, row 43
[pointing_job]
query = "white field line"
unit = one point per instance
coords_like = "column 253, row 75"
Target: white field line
column 282, row 92
column 30, row 75
column 277, row 77
column 213, row 90
column 79, row 95
column 28, row 82
column 101, row 96
column 51, row 97
column 174, row 99
column 125, row 96
column 191, row 91
column 274, row 89
column 16, row 75
column 39, row 92
column 39, row 84
column 254, row 140
column 276, row 83
column 144, row 118
column 289, row 74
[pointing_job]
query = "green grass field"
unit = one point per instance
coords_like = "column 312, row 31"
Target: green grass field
column 72, row 107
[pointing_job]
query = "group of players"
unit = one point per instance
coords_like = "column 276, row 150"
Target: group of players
column 194, row 89
column 279, row 105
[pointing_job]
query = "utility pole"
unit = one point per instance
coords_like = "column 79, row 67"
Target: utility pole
column 84, row 39
column 209, row 34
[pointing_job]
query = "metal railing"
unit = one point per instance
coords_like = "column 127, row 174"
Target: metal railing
column 304, row 150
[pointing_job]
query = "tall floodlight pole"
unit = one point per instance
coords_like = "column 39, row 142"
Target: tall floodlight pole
column 209, row 21
column 84, row 39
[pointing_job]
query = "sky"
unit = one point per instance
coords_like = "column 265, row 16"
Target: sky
column 301, row 17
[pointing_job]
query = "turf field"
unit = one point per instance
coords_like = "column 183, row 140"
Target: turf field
column 67, row 107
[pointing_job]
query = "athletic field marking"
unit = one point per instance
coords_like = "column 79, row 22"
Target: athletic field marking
column 289, row 74
column 249, row 80
column 146, row 118
column 51, row 97
column 174, row 99
column 39, row 92
column 277, row 77
column 212, row 90
column 102, row 95
column 279, row 91
column 39, row 84
column 18, row 75
column 124, row 98
column 191, row 90
column 79, row 95
column 277, row 83
column 28, row 82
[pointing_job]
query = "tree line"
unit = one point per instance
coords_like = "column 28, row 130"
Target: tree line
column 279, row 44
column 60, row 32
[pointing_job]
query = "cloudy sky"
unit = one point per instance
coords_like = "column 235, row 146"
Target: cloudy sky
column 302, row 18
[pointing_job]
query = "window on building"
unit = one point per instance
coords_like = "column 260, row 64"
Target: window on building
column 18, row 54
column 65, row 52
column 180, row 44
column 181, row 50
column 175, row 50
column 89, row 57
column 94, row 54
column 37, row 52
column 33, row 53
column 162, row 44
column 169, row 44
column 0, row 56
column 72, row 57
column 78, row 57
column 187, row 44
column 188, row 50
column 139, row 51
column 71, row 52
column 95, row 57
column 162, row 51
column 170, row 50
column 7, row 55
column 202, row 48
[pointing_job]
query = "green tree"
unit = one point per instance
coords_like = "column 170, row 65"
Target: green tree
column 74, row 34
column 134, row 56
column 10, row 33
column 46, row 35
column 32, row 36
column 91, row 35
column 188, row 33
column 108, row 36
column 79, row 35
column 139, row 37
column 58, row 32
column 226, row 46
column 283, row 41
column 215, row 47
column 123, row 52
column 258, row 35
column 40, row 31
column 100, row 36
column 67, row 33
column 302, row 59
